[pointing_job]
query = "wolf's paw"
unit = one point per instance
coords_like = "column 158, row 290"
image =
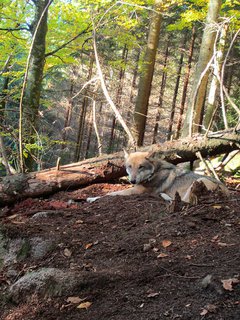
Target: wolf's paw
column 166, row 197
column 92, row 199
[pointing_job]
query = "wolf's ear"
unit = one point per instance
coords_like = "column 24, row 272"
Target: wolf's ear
column 126, row 154
column 150, row 157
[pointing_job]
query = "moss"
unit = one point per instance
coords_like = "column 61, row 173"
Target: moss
column 24, row 250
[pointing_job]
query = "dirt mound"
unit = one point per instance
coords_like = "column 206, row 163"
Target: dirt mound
column 132, row 258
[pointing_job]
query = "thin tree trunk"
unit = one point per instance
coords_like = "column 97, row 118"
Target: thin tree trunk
column 144, row 88
column 68, row 117
column 193, row 117
column 118, row 95
column 89, row 135
column 185, row 84
column 3, row 97
column 34, row 81
column 135, row 73
column 179, row 71
column 162, row 89
column 82, row 117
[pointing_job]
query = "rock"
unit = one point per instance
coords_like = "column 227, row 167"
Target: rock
column 40, row 247
column 40, row 215
column 45, row 281
column 16, row 250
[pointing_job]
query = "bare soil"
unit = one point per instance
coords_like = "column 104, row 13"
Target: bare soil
column 140, row 258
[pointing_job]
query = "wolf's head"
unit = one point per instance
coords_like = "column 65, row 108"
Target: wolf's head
column 139, row 166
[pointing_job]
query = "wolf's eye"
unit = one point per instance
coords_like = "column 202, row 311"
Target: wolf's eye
column 141, row 167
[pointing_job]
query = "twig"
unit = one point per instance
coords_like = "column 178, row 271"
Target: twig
column 213, row 170
column 227, row 159
column 198, row 154
column 58, row 163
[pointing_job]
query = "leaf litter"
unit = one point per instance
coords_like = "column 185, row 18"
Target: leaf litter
column 119, row 280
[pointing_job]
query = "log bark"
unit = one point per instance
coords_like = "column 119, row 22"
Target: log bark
column 110, row 167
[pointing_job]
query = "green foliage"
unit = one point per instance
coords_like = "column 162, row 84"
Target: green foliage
column 118, row 24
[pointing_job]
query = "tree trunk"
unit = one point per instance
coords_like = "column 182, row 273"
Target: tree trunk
column 162, row 89
column 118, row 96
column 179, row 71
column 196, row 104
column 144, row 88
column 185, row 84
column 109, row 167
column 3, row 98
column 34, row 81
column 68, row 116
column 215, row 85
column 89, row 135
column 135, row 73
column 82, row 117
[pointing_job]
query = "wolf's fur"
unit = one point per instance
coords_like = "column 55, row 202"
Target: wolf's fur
column 158, row 177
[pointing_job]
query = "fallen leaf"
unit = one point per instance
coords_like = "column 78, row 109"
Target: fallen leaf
column 79, row 222
column 215, row 238
column 166, row 243
column 88, row 245
column 224, row 244
column 75, row 300
column 204, row 312
column 162, row 255
column 227, row 283
column 216, row 206
column 67, row 252
column 84, row 305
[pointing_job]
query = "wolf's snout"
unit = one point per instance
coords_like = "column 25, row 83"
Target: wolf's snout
column 133, row 181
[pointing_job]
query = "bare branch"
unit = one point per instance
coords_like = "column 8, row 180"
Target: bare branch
column 96, row 128
column 107, row 96
column 14, row 29
column 68, row 42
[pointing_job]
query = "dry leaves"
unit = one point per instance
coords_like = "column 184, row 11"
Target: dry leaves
column 67, row 252
column 88, row 245
column 208, row 308
column 166, row 243
column 84, row 305
column 228, row 283
column 162, row 255
column 75, row 300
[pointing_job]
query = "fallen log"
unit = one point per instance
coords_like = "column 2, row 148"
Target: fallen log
column 109, row 167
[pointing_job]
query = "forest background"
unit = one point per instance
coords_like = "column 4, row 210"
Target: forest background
column 81, row 78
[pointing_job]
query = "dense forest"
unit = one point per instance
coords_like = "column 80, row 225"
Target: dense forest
column 82, row 78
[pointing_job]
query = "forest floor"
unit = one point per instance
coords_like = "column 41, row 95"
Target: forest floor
column 135, row 257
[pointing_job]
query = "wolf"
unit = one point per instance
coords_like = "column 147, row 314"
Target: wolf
column 161, row 178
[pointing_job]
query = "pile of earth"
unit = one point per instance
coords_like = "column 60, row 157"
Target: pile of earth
column 121, row 258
